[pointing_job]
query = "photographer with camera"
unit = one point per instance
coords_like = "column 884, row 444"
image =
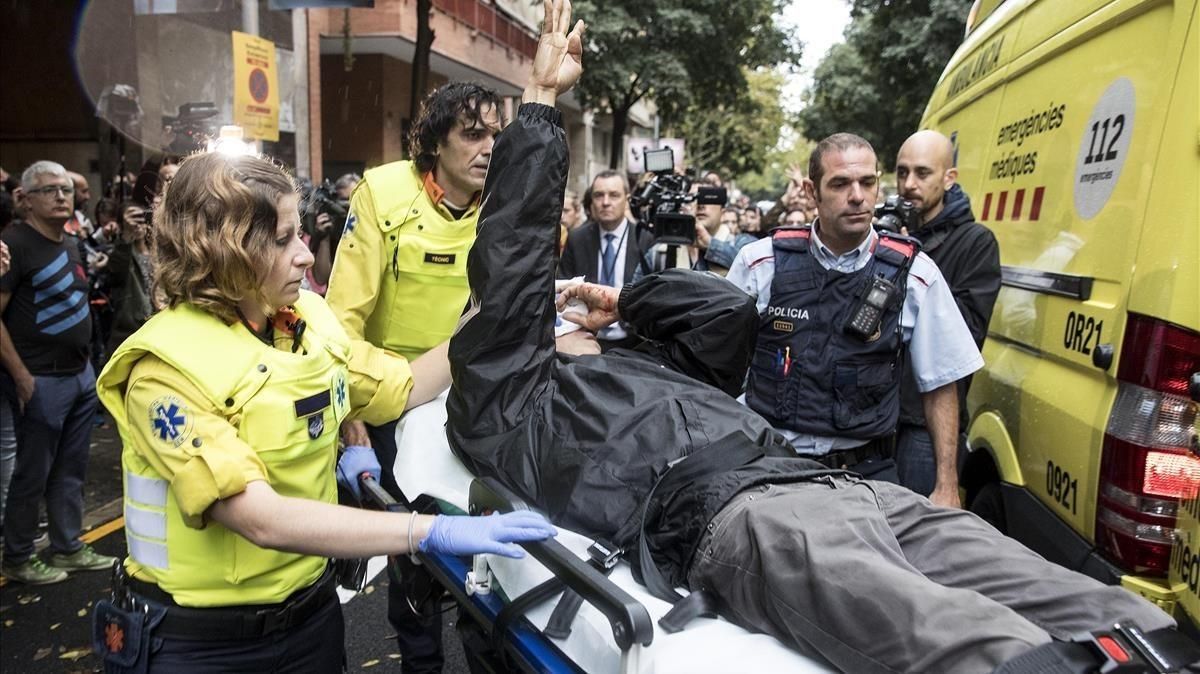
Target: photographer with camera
column 606, row 249
column 683, row 218
column 326, row 209
column 131, row 270
column 838, row 303
column 968, row 256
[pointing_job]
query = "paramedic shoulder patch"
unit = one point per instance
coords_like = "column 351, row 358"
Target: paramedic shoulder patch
column 440, row 258
column 170, row 420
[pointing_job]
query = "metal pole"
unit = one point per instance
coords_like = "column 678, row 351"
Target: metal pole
column 250, row 17
column 300, row 100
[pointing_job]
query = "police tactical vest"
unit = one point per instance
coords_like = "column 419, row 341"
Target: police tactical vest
column 808, row 373
column 286, row 406
column 424, row 286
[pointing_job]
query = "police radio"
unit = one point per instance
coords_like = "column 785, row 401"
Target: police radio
column 864, row 322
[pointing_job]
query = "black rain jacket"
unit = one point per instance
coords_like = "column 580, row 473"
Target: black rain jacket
column 967, row 254
column 586, row 437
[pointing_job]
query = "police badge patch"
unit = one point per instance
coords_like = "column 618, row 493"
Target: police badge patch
column 170, row 420
column 316, row 425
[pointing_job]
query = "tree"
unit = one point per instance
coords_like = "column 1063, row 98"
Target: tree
column 675, row 52
column 735, row 138
column 877, row 81
column 771, row 180
column 420, row 65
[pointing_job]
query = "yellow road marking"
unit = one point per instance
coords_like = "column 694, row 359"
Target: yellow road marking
column 91, row 536
column 103, row 530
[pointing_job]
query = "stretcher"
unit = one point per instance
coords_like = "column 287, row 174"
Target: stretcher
column 615, row 629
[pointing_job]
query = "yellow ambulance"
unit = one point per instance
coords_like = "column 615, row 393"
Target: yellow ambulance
column 1077, row 133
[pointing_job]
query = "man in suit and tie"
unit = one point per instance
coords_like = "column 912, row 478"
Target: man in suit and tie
column 606, row 249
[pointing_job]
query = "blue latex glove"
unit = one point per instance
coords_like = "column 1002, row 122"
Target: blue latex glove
column 463, row 535
column 355, row 461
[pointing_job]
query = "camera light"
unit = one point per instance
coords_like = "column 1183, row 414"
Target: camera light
column 230, row 141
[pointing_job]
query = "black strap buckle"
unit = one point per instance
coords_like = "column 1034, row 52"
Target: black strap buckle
column 269, row 621
column 603, row 554
column 1123, row 649
column 1160, row 651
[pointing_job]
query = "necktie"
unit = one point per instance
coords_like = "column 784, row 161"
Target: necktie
column 608, row 261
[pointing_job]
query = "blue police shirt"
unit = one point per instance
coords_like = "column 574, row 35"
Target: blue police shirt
column 938, row 340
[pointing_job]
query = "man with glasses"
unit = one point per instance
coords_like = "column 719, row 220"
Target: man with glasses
column 607, row 248
column 48, row 381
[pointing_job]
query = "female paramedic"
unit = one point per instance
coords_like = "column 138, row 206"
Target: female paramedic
column 228, row 403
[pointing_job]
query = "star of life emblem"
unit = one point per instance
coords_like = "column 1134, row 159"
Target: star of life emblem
column 170, row 420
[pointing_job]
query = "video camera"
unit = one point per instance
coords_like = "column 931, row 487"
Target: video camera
column 188, row 127
column 323, row 198
column 659, row 204
column 896, row 212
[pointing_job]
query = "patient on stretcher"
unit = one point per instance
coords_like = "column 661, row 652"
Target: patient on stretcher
column 649, row 449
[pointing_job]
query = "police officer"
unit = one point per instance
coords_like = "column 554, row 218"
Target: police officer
column 228, row 404
column 400, row 282
column 838, row 303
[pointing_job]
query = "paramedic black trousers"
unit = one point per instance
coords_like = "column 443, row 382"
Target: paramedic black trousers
column 414, row 597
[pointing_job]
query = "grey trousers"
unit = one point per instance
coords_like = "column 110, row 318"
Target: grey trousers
column 53, row 441
column 874, row 578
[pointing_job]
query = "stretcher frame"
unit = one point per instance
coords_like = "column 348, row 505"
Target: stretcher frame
column 521, row 645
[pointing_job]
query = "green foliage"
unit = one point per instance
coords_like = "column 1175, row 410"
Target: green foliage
column 771, row 180
column 735, row 138
column 877, row 81
column 676, row 52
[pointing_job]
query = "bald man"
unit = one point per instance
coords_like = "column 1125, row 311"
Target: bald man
column 969, row 258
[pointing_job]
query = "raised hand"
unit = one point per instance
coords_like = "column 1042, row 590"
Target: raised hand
column 795, row 174
column 558, row 62
column 601, row 302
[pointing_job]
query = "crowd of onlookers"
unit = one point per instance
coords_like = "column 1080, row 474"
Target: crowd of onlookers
column 76, row 279
column 740, row 215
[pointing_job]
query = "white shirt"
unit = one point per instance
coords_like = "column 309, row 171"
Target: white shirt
column 620, row 240
column 938, row 339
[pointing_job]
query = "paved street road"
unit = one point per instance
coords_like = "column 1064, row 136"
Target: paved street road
column 47, row 629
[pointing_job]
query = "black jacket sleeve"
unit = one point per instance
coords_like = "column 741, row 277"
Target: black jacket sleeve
column 503, row 350
column 977, row 282
column 120, row 259
column 704, row 325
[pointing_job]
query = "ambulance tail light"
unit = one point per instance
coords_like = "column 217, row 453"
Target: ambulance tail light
column 1150, row 461
column 972, row 18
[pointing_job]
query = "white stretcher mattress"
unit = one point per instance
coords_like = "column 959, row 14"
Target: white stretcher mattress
column 425, row 465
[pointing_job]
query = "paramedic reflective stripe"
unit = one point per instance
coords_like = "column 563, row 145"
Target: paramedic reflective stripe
column 148, row 490
column 145, row 523
column 148, row 553
column 146, row 528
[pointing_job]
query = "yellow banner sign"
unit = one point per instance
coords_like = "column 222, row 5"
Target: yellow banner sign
column 255, row 87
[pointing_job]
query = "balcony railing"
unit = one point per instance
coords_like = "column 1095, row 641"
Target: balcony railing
column 491, row 22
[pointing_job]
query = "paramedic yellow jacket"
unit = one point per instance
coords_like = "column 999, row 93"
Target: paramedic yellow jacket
column 400, row 277
column 203, row 408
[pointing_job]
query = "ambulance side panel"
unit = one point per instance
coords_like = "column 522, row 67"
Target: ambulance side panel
column 1167, row 278
column 1056, row 149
